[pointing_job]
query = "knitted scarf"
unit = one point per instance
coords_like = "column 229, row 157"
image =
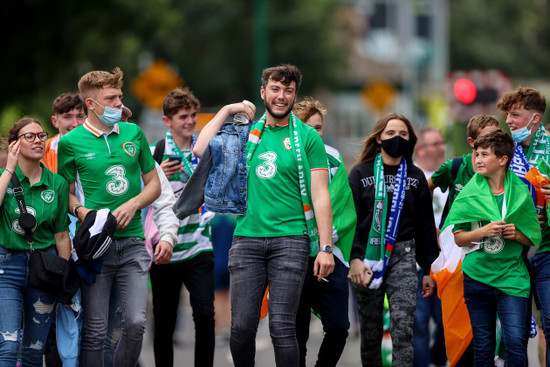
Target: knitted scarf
column 304, row 173
column 377, row 256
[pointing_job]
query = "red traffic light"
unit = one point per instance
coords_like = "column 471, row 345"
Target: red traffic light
column 465, row 90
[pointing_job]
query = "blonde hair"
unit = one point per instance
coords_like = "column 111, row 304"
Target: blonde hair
column 95, row 80
column 307, row 108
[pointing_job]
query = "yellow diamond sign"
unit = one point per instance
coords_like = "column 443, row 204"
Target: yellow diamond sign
column 154, row 83
column 378, row 94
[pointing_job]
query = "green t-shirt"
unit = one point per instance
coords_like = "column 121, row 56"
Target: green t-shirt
column 443, row 178
column 274, row 203
column 106, row 168
column 47, row 200
column 194, row 234
column 498, row 262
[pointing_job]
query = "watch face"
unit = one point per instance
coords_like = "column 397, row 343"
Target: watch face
column 327, row 248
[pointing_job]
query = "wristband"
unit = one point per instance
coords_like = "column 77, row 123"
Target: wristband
column 8, row 171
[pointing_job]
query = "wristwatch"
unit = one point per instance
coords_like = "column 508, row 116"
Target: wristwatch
column 75, row 209
column 326, row 248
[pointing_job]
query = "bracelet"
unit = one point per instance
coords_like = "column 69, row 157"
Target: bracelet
column 8, row 171
column 75, row 209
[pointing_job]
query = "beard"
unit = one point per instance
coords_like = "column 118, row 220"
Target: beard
column 278, row 116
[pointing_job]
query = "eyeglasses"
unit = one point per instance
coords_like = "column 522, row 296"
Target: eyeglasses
column 30, row 137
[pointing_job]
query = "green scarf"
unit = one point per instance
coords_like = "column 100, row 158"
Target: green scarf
column 539, row 148
column 381, row 235
column 303, row 172
column 476, row 202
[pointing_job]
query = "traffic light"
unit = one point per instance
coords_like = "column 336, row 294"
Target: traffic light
column 472, row 92
column 466, row 92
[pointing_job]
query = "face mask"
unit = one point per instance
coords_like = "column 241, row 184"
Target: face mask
column 520, row 135
column 396, row 146
column 110, row 115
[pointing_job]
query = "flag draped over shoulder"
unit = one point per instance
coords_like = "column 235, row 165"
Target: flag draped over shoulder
column 344, row 216
column 475, row 202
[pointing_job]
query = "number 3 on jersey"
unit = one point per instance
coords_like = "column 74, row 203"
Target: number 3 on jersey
column 119, row 183
column 268, row 168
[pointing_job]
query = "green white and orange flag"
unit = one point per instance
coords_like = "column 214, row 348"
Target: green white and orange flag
column 475, row 202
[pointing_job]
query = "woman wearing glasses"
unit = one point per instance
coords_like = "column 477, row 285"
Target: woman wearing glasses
column 46, row 197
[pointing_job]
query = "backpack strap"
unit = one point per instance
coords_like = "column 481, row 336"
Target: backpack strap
column 26, row 220
column 455, row 166
column 159, row 150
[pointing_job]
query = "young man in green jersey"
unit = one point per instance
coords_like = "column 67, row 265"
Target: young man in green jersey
column 103, row 159
column 192, row 261
column 495, row 220
column 288, row 214
column 524, row 108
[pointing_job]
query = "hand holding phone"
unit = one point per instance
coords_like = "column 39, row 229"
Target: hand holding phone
column 175, row 159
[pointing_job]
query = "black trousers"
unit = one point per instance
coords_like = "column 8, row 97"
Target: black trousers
column 197, row 274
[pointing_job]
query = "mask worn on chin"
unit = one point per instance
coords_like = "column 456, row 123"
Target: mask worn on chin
column 520, row 135
column 396, row 146
column 110, row 115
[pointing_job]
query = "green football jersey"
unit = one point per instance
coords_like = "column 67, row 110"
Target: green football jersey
column 274, row 203
column 498, row 263
column 47, row 200
column 442, row 178
column 106, row 168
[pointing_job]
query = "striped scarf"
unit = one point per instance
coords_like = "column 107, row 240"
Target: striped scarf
column 304, row 173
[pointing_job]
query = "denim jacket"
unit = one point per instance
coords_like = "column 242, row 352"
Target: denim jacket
column 225, row 190
column 220, row 177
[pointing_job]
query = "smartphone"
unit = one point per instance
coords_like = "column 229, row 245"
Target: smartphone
column 175, row 159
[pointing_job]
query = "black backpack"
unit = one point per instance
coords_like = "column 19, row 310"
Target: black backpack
column 457, row 161
column 159, row 150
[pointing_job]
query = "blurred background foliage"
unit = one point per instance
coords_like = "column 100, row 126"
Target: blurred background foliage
column 213, row 44
column 210, row 43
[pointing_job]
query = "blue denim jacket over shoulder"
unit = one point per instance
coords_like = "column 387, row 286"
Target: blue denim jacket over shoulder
column 225, row 190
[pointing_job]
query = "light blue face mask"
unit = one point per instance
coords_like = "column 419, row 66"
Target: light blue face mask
column 523, row 133
column 110, row 115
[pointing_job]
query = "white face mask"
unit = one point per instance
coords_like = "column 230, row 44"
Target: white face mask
column 523, row 133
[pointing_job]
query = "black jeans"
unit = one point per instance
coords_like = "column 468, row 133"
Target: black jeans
column 197, row 274
column 330, row 301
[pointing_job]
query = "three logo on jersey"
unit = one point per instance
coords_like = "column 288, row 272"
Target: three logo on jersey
column 267, row 169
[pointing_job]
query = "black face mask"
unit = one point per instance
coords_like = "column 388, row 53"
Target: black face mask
column 396, row 146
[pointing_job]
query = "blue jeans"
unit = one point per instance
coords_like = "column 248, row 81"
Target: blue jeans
column 484, row 302
column 540, row 266
column 255, row 263
column 125, row 267
column 330, row 301
column 426, row 309
column 68, row 331
column 18, row 298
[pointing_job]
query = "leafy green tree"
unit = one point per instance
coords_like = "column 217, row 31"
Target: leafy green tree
column 49, row 45
column 505, row 34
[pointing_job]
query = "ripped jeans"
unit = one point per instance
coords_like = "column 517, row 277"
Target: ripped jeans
column 18, row 298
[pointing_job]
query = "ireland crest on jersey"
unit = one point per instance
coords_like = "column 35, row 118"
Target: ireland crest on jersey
column 129, row 148
column 47, row 195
